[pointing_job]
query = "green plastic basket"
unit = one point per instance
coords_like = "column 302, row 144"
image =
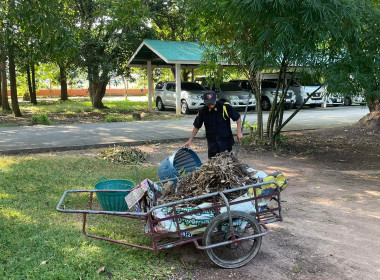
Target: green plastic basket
column 113, row 201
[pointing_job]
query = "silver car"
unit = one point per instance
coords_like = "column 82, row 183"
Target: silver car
column 191, row 96
column 235, row 95
column 268, row 89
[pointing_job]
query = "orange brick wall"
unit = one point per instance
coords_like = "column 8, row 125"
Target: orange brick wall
column 84, row 92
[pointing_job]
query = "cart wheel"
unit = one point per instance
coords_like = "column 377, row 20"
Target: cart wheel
column 235, row 254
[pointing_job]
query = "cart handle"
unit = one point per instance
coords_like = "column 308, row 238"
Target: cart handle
column 60, row 209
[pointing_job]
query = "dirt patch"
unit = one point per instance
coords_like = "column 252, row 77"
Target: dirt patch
column 331, row 208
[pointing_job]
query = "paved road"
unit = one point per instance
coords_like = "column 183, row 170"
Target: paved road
column 44, row 138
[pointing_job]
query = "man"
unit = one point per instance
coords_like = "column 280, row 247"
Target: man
column 216, row 115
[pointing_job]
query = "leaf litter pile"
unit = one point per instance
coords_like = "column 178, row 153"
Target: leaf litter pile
column 124, row 155
column 221, row 172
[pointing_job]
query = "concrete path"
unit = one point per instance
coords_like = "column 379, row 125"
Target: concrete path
column 75, row 136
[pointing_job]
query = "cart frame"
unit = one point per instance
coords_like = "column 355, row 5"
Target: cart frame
column 262, row 217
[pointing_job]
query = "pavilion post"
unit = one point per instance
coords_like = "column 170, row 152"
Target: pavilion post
column 178, row 88
column 150, row 83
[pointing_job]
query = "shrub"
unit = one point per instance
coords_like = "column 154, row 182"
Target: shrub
column 118, row 118
column 41, row 119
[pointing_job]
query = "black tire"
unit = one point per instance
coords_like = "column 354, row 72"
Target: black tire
column 265, row 104
column 184, row 107
column 236, row 254
column 347, row 101
column 159, row 104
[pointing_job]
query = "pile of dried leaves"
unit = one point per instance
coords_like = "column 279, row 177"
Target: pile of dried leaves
column 222, row 172
column 125, row 155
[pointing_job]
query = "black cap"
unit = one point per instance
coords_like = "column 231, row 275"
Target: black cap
column 209, row 97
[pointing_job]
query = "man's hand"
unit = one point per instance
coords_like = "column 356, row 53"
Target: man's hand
column 188, row 144
column 190, row 141
column 239, row 136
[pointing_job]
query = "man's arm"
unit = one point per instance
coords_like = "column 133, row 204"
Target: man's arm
column 193, row 133
column 238, row 133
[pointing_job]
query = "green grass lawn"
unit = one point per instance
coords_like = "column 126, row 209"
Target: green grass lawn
column 37, row 242
column 56, row 112
column 83, row 106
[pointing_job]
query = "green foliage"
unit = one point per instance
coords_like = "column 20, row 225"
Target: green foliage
column 110, row 31
column 71, row 106
column 118, row 118
column 311, row 37
column 357, row 69
column 41, row 119
column 252, row 128
column 170, row 20
column 37, row 242
column 281, row 138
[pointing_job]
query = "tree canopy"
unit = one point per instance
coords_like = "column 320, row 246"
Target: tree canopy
column 334, row 41
column 309, row 36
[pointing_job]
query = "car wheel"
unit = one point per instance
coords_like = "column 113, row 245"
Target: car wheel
column 347, row 101
column 160, row 105
column 265, row 104
column 184, row 107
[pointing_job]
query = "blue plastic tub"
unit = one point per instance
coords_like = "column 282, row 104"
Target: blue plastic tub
column 180, row 162
column 113, row 201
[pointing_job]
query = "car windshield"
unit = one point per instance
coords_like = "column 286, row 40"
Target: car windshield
column 230, row 87
column 191, row 86
column 268, row 84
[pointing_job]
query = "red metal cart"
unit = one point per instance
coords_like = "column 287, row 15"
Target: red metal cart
column 231, row 238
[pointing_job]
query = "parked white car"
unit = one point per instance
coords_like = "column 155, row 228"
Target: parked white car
column 334, row 99
column 268, row 90
column 235, row 95
column 303, row 90
column 191, row 96
column 356, row 99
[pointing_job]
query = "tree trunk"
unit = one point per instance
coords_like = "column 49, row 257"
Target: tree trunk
column 30, row 88
column 12, row 78
column 374, row 105
column 4, row 88
column 3, row 75
column 97, row 87
column 1, row 97
column 254, row 80
column 33, row 94
column 185, row 75
column 63, row 81
column 97, row 92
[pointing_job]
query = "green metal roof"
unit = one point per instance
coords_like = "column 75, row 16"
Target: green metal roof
column 166, row 53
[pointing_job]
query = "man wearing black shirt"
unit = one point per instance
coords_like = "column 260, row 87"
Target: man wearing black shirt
column 216, row 115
